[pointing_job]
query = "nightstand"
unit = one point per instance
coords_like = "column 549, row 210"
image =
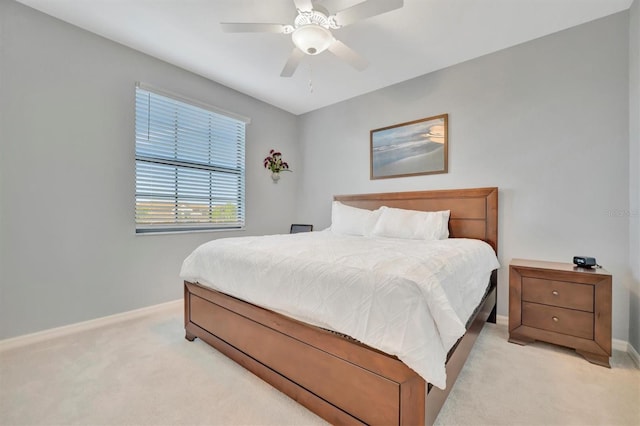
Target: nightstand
column 562, row 304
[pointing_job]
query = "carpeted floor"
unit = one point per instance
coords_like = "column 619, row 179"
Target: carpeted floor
column 144, row 372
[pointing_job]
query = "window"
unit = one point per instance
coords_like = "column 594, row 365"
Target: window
column 190, row 172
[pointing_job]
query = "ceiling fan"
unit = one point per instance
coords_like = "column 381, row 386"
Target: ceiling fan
column 311, row 30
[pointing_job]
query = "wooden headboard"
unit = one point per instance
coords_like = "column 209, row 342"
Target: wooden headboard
column 474, row 212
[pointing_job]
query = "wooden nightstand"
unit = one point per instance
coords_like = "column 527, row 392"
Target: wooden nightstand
column 562, row 304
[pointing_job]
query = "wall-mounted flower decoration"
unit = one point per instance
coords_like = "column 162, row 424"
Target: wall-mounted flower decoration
column 274, row 163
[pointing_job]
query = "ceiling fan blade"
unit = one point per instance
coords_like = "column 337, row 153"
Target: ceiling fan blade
column 366, row 9
column 292, row 63
column 348, row 55
column 247, row 27
column 304, row 5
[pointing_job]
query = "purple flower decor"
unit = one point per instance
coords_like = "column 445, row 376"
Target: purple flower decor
column 274, row 162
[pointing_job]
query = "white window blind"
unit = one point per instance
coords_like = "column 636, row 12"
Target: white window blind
column 190, row 172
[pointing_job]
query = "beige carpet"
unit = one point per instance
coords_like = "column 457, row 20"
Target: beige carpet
column 144, row 372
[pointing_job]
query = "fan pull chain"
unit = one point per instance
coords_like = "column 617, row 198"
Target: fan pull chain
column 310, row 79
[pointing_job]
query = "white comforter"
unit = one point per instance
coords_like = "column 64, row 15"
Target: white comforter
column 408, row 298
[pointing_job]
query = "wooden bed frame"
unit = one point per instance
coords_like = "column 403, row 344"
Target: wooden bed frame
column 341, row 380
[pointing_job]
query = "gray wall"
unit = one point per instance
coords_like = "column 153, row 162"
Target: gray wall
column 546, row 121
column 634, row 173
column 538, row 120
column 68, row 249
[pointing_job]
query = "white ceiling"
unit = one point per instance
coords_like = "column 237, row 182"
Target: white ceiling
column 423, row 36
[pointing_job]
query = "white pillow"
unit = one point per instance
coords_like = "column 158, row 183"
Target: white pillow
column 412, row 224
column 352, row 220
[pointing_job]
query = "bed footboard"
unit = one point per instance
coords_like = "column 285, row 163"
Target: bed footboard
column 342, row 381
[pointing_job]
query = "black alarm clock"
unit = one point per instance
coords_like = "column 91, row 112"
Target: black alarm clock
column 584, row 261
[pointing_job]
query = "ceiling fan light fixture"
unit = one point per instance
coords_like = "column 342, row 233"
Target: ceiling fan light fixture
column 312, row 39
column 311, row 30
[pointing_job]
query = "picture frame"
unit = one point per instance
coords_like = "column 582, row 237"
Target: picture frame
column 414, row 148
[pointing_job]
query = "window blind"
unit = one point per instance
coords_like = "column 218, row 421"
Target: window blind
column 190, row 172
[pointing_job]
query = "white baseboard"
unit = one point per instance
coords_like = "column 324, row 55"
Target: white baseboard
column 619, row 345
column 502, row 320
column 616, row 344
column 633, row 354
column 40, row 336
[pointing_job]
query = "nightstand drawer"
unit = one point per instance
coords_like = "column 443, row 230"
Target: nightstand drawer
column 558, row 293
column 559, row 320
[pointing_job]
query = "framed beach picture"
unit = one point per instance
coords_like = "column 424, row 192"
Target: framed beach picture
column 409, row 149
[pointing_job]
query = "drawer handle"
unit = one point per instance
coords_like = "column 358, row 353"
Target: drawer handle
column 555, row 292
column 555, row 319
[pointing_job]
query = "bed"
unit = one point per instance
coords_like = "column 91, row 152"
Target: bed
column 340, row 379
